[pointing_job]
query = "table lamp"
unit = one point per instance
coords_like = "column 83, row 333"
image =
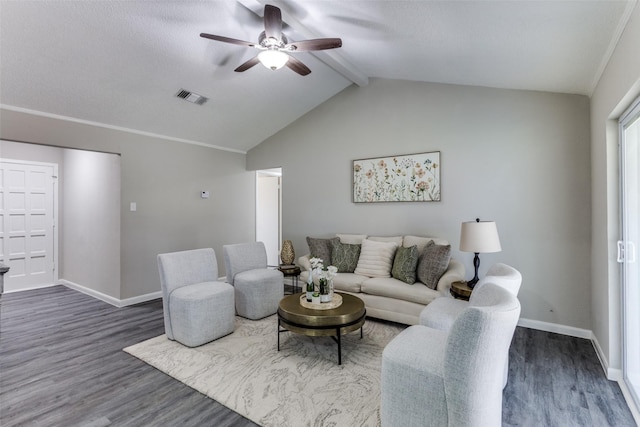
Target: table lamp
column 479, row 237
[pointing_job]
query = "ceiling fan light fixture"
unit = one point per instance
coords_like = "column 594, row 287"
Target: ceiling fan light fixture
column 275, row 46
column 273, row 59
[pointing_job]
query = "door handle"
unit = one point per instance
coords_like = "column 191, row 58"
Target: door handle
column 620, row 255
column 626, row 252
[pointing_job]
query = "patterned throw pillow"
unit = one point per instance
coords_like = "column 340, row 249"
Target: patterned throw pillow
column 345, row 257
column 405, row 263
column 321, row 248
column 432, row 264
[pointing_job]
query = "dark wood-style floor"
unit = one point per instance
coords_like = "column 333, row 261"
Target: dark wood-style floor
column 62, row 364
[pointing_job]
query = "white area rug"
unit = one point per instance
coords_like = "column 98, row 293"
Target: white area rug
column 301, row 385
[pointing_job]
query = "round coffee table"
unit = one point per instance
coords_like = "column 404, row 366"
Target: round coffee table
column 335, row 322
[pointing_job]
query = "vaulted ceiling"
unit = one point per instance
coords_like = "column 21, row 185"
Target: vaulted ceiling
column 120, row 63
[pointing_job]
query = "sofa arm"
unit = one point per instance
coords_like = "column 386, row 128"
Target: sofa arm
column 455, row 272
column 305, row 263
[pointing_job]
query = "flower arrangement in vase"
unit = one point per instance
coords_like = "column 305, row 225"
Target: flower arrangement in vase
column 325, row 277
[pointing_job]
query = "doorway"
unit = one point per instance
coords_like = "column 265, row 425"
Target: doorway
column 629, row 130
column 28, row 223
column 268, row 212
column 86, row 248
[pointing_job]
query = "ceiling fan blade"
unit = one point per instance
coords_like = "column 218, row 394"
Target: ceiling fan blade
column 272, row 22
column 227, row 40
column 297, row 66
column 316, row 44
column 250, row 63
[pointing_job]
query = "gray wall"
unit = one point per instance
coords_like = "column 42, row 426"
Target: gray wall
column 519, row 158
column 617, row 88
column 91, row 220
column 165, row 179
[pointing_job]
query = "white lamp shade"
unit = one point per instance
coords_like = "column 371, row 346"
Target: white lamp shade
column 479, row 237
column 273, row 59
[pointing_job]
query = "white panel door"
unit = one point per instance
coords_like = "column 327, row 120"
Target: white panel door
column 27, row 225
column 268, row 216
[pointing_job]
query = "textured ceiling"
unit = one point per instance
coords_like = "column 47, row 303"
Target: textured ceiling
column 120, row 63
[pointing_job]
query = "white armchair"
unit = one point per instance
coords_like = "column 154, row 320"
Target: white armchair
column 197, row 307
column 258, row 290
column 432, row 377
column 442, row 312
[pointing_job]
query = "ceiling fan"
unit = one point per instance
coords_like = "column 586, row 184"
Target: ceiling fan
column 275, row 46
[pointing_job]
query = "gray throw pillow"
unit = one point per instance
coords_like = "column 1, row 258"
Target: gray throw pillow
column 345, row 257
column 405, row 263
column 432, row 264
column 321, row 248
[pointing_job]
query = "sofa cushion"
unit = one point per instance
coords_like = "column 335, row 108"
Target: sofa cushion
column 421, row 242
column 432, row 264
column 394, row 288
column 351, row 239
column 348, row 282
column 345, row 257
column 405, row 263
column 321, row 248
column 376, row 258
column 396, row 239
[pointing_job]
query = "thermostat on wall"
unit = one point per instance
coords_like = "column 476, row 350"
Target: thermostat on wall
column 204, row 195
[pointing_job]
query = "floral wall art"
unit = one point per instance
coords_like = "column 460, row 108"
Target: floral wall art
column 408, row 178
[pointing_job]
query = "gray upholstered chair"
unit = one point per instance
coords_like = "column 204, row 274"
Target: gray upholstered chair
column 197, row 307
column 432, row 377
column 258, row 289
column 443, row 311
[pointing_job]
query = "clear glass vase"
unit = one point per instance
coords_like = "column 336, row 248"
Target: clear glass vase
column 324, row 291
column 310, row 286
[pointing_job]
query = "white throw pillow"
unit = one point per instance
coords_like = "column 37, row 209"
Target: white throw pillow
column 376, row 258
column 351, row 239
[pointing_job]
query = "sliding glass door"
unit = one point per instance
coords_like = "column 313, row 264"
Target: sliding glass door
column 628, row 246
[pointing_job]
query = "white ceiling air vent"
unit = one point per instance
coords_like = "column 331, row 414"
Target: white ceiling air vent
column 191, row 97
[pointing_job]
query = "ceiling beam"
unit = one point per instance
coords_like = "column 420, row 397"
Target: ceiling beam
column 333, row 58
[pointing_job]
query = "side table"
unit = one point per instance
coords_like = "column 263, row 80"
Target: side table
column 292, row 271
column 461, row 290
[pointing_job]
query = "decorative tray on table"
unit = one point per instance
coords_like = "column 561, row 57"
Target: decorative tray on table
column 335, row 302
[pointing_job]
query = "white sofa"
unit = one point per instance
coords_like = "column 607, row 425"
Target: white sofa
column 387, row 297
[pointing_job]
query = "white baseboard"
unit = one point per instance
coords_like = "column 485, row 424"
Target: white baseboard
column 556, row 328
column 109, row 299
column 142, row 298
column 612, row 374
column 635, row 411
column 31, row 288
